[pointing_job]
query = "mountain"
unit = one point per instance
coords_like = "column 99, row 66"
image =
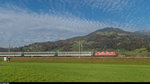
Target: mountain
column 103, row 39
column 111, row 29
column 145, row 32
column 3, row 49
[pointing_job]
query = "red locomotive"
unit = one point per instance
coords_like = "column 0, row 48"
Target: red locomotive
column 105, row 53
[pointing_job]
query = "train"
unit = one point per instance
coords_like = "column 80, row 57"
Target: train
column 51, row 54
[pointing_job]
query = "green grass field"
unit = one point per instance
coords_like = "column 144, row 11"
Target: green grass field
column 75, row 70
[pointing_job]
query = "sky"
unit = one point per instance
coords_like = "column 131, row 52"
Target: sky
column 24, row 22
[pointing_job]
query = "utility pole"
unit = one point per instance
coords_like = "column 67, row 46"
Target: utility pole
column 79, row 49
column 9, row 48
column 18, row 48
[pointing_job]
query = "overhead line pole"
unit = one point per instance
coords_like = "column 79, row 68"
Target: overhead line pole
column 9, row 49
column 79, row 50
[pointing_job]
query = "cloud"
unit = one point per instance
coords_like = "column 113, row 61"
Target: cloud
column 22, row 26
column 20, row 19
column 109, row 5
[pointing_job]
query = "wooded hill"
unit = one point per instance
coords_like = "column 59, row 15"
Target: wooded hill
column 102, row 39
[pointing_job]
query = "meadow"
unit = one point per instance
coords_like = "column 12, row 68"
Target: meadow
column 75, row 70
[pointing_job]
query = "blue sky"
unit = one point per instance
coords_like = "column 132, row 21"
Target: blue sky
column 28, row 21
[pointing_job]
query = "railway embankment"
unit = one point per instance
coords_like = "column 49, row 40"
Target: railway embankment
column 100, row 60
